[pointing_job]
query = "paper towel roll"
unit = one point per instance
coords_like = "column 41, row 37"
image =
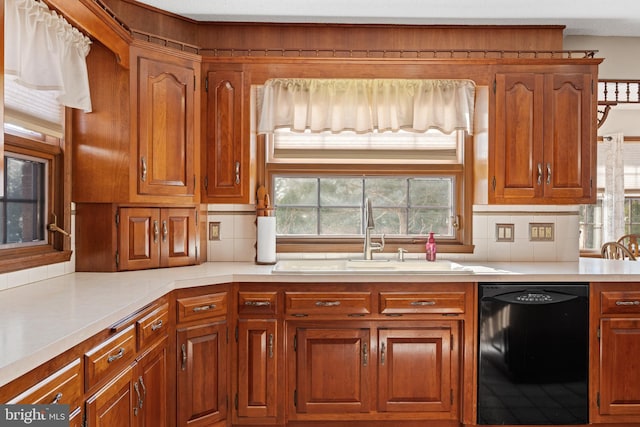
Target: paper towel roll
column 266, row 240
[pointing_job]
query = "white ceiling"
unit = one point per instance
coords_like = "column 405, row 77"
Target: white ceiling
column 581, row 17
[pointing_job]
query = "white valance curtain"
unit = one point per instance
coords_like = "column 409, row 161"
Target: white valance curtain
column 365, row 105
column 44, row 52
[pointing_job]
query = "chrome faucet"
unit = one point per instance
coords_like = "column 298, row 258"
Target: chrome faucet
column 369, row 246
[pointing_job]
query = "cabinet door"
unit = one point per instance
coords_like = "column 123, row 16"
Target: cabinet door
column 165, row 118
column 202, row 386
column 619, row 380
column 226, row 172
column 333, row 368
column 150, row 386
column 415, row 369
column 139, row 237
column 179, row 240
column 568, row 136
column 257, row 368
column 517, row 159
column 113, row 405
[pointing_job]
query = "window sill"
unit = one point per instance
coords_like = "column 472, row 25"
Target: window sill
column 21, row 259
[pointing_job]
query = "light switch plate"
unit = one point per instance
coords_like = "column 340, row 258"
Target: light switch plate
column 541, row 232
column 214, row 230
column 504, row 232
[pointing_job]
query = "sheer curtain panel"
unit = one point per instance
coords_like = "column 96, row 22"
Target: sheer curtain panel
column 365, row 105
column 44, row 52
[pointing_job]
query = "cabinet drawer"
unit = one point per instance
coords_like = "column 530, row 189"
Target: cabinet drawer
column 301, row 303
column 202, row 307
column 153, row 326
column 257, row 302
column 109, row 357
column 63, row 387
column 620, row 302
column 421, row 302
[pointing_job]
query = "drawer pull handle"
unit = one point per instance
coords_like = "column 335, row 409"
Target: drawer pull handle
column 116, row 356
column 157, row 325
column 270, row 346
column 327, row 303
column 422, row 303
column 627, row 302
column 184, row 357
column 383, row 353
column 204, row 308
column 258, row 303
column 365, row 354
column 57, row 398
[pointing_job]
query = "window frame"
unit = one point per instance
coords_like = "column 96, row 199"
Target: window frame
column 58, row 247
column 462, row 243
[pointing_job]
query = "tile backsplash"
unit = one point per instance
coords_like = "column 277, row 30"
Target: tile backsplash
column 237, row 236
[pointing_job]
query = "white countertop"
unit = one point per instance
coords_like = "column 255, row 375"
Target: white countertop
column 43, row 319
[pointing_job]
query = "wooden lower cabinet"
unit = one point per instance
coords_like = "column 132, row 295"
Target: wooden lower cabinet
column 375, row 371
column 114, row 405
column 415, row 369
column 136, row 397
column 201, row 375
column 615, row 373
column 257, row 395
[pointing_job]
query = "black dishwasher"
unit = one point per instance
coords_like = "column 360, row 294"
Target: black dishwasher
column 533, row 353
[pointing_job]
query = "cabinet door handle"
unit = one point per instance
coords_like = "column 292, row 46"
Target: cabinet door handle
column 116, row 356
column 327, row 303
column 184, row 356
column 270, row 346
column 548, row 173
column 383, row 353
column 165, row 231
column 258, row 303
column 365, row 354
column 627, row 302
column 144, row 391
column 237, row 172
column 539, row 173
column 143, row 169
column 422, row 303
column 57, row 398
column 157, row 325
column 204, row 308
column 135, row 409
column 156, row 231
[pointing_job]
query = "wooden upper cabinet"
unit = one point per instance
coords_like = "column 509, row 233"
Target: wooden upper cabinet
column 226, row 168
column 166, row 127
column 543, row 148
column 153, row 237
column 140, row 144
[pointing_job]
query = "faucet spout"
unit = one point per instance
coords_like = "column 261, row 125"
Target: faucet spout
column 369, row 246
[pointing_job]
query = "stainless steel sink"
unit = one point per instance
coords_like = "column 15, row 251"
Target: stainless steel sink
column 356, row 266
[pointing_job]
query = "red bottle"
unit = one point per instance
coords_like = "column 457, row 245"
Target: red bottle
column 430, row 247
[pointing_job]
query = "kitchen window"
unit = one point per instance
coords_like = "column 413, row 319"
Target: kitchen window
column 34, row 197
column 329, row 144
column 319, row 192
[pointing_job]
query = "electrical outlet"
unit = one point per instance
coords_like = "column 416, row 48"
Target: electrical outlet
column 504, row 232
column 541, row 232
